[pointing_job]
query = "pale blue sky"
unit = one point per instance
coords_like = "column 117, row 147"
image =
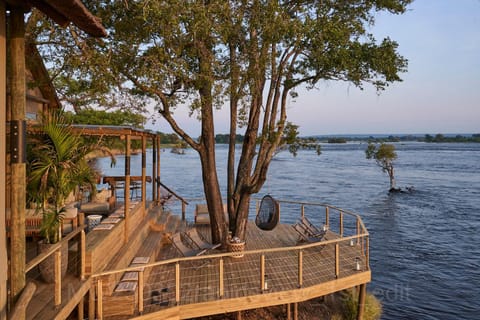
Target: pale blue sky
column 439, row 94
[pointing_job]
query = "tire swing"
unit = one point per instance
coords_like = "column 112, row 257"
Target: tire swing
column 268, row 214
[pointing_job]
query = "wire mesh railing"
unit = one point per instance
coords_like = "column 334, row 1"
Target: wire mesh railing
column 343, row 252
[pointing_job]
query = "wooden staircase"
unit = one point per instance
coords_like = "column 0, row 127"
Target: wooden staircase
column 120, row 289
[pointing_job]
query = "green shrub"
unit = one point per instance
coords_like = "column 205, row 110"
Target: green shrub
column 373, row 307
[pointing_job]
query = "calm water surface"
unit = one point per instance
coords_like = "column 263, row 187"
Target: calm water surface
column 425, row 246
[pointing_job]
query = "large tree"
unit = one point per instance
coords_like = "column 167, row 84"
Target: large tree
column 248, row 56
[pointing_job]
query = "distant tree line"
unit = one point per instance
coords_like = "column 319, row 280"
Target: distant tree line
column 458, row 138
column 391, row 138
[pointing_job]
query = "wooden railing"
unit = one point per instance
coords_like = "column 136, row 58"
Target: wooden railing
column 56, row 251
column 347, row 228
column 181, row 199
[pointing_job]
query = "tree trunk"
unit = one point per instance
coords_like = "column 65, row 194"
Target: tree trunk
column 392, row 178
column 242, row 216
column 213, row 195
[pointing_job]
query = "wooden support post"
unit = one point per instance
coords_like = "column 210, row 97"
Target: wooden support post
column 262, row 273
column 91, row 302
column 154, row 170
column 127, row 188
column 17, row 154
column 303, row 211
column 361, row 301
column 239, row 315
column 99, row 299
column 220, row 272
column 300, row 268
column 140, row 291
column 337, row 260
column 144, row 174
column 58, row 276
column 289, row 311
column 295, row 311
column 177, row 283
column 3, row 120
column 158, row 168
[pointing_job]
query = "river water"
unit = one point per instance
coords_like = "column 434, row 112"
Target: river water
column 424, row 246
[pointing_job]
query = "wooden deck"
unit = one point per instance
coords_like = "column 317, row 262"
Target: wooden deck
column 200, row 291
column 274, row 269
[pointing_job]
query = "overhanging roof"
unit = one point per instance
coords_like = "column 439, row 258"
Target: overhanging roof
column 102, row 130
column 65, row 11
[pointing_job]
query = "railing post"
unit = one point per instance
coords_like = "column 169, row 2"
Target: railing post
column 140, row 291
column 300, row 268
column 341, row 224
column 303, row 211
column 327, row 218
column 220, row 271
column 183, row 210
column 367, row 253
column 58, row 276
column 358, row 230
column 82, row 254
column 337, row 260
column 91, row 302
column 177, row 283
column 262, row 272
column 99, row 299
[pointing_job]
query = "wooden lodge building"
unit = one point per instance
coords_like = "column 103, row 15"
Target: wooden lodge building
column 128, row 257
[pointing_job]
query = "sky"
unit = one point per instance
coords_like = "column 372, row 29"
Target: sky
column 440, row 93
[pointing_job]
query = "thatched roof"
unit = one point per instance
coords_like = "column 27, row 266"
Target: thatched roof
column 65, row 11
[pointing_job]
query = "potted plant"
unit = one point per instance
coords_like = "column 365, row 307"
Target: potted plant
column 57, row 166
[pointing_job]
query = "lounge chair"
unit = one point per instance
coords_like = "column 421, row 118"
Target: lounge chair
column 308, row 231
column 184, row 249
column 197, row 240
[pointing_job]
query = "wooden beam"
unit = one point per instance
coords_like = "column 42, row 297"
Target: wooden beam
column 19, row 311
column 3, row 120
column 17, row 163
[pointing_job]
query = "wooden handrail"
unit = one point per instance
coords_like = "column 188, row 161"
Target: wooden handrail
column 35, row 261
column 173, row 193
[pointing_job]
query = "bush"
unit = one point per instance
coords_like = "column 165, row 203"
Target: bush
column 373, row 307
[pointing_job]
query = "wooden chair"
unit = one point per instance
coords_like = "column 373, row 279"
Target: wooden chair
column 184, row 249
column 197, row 240
column 308, row 231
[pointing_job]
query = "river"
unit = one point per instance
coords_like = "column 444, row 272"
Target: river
column 425, row 245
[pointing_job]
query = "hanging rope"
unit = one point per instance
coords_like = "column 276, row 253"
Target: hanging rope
column 268, row 214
